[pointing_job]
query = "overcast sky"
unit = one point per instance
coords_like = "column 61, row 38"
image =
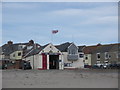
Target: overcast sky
column 80, row 22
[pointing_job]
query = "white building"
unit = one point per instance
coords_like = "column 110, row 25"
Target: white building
column 45, row 58
column 72, row 55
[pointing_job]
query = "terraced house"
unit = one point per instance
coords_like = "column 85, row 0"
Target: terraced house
column 12, row 54
column 63, row 56
column 102, row 54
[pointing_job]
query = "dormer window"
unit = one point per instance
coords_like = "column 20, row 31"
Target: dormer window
column 19, row 54
column 21, row 46
column 29, row 47
column 72, row 51
column 69, row 52
column 38, row 46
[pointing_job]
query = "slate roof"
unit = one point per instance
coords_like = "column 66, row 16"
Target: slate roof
column 89, row 49
column 80, row 48
column 28, row 52
column 63, row 47
column 35, row 51
column 116, row 47
column 101, row 48
column 7, row 49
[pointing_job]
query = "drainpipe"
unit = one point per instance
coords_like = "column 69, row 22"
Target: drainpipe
column 62, row 61
column 33, row 61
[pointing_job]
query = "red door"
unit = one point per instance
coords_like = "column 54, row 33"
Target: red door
column 44, row 62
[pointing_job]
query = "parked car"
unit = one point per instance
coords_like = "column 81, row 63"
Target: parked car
column 26, row 65
column 118, row 66
column 87, row 66
column 115, row 66
column 97, row 66
column 4, row 66
column 106, row 66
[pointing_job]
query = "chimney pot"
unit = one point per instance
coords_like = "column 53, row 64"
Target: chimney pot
column 9, row 42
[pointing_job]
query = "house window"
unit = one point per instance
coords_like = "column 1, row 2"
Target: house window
column 68, row 65
column 81, row 55
column 69, row 52
column 117, row 55
column 19, row 54
column 73, row 51
column 107, row 56
column 98, row 56
column 29, row 47
column 86, row 57
column 98, row 62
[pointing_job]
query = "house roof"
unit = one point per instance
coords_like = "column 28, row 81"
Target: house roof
column 35, row 51
column 101, row 48
column 80, row 48
column 116, row 47
column 7, row 49
column 63, row 47
column 28, row 52
column 89, row 49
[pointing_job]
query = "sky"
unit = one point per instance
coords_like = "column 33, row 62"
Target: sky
column 84, row 23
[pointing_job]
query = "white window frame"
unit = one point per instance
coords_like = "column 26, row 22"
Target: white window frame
column 116, row 54
column 98, row 61
column 81, row 54
column 68, row 64
column 75, row 53
column 106, row 55
column 97, row 56
column 72, row 52
column 29, row 47
column 69, row 52
column 20, row 54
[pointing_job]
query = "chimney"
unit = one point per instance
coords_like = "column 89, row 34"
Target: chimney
column 99, row 44
column 31, row 42
column 9, row 42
